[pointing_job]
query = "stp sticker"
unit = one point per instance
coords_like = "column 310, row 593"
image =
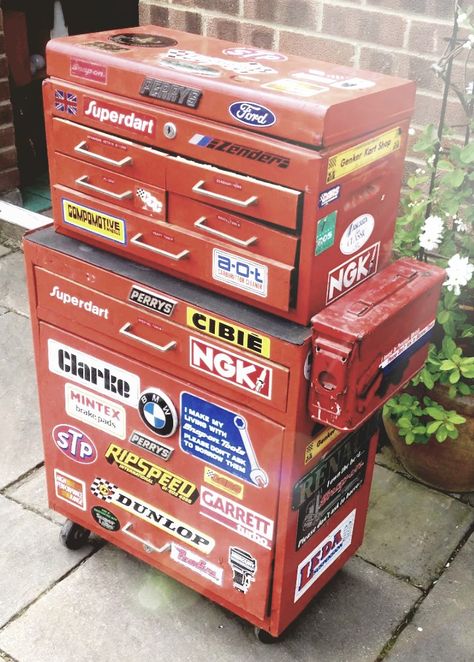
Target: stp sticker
column 197, row 564
column 157, row 412
column 252, row 114
column 352, row 272
column 234, row 369
column 93, row 221
column 357, row 234
column 324, row 555
column 111, row 493
column 153, row 301
column 219, row 437
column 96, row 411
column 74, row 443
column 244, row 568
column 239, row 272
column 105, row 518
column 70, row 489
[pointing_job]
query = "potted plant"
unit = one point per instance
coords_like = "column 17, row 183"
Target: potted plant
column 431, row 423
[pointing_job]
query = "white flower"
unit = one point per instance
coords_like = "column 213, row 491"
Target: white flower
column 431, row 233
column 467, row 44
column 470, row 88
column 420, row 171
column 459, row 272
column 460, row 225
column 430, row 161
column 461, row 18
column 437, row 68
column 411, row 131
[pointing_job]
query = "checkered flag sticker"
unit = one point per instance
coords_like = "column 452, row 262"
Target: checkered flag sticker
column 103, row 489
column 149, row 200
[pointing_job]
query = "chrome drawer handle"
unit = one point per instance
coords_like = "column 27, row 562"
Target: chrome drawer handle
column 240, row 242
column 84, row 181
column 147, row 545
column 81, row 149
column 172, row 256
column 125, row 331
column 197, row 188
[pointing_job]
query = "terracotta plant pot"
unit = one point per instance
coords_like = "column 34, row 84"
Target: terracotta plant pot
column 448, row 466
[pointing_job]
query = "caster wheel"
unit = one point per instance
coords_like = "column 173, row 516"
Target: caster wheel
column 73, row 536
column 265, row 637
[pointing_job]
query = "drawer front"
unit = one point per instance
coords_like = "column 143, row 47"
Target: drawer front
column 232, row 229
column 121, row 156
column 252, row 197
column 173, row 249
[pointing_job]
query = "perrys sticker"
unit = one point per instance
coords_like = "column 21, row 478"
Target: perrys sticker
column 239, row 272
column 350, row 273
column 153, row 301
column 157, row 448
column 95, row 411
column 324, row 555
column 357, row 234
column 100, row 376
column 158, row 412
column 328, row 196
column 75, row 444
column 197, row 564
column 252, row 114
column 93, row 221
column 70, row 489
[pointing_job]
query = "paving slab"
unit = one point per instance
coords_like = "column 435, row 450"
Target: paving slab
column 386, row 458
column 442, row 628
column 31, row 492
column 123, row 609
column 13, row 283
column 411, row 530
column 3, row 310
column 4, row 250
column 20, row 438
column 28, row 565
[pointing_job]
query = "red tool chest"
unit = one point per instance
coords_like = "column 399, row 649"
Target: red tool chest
column 255, row 174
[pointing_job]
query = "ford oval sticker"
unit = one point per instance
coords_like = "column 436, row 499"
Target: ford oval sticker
column 252, row 114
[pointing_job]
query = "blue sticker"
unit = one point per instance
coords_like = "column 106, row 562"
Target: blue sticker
column 326, row 197
column 252, row 114
column 219, row 437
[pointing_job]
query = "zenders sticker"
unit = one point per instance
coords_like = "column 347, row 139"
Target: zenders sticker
column 359, row 156
column 98, row 223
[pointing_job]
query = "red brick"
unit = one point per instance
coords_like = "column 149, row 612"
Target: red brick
column 223, row 28
column 319, row 48
column 9, row 179
column 6, row 114
column 297, row 13
column 4, row 89
column 364, row 25
column 259, row 36
column 222, row 6
column 435, row 8
column 185, row 20
column 7, row 135
column 8, row 158
column 3, row 66
column 427, row 37
column 428, row 108
column 159, row 16
column 384, row 62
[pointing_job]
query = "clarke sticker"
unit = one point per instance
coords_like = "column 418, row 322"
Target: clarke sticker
column 70, row 489
column 357, row 234
column 197, row 564
column 352, row 272
column 324, row 555
column 252, row 114
column 111, row 493
column 96, row 411
column 244, row 568
column 74, row 443
column 239, row 272
column 98, row 223
column 92, row 372
column 219, row 437
column 234, row 369
column 153, row 301
column 157, row 412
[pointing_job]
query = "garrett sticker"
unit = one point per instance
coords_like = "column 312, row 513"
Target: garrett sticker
column 96, row 411
column 244, row 568
column 239, row 272
column 93, row 221
column 361, row 155
column 70, row 489
column 223, row 483
column 197, row 564
column 325, row 233
column 105, row 518
column 158, row 448
column 153, row 301
column 74, row 444
column 158, row 413
column 319, row 443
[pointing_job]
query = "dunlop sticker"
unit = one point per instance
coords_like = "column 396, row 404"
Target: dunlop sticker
column 319, row 443
column 99, row 223
column 361, row 155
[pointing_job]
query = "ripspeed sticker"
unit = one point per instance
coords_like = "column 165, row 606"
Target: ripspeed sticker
column 98, row 223
column 239, row 272
column 158, row 412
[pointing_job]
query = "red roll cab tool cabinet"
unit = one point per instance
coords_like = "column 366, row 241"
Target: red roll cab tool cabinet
column 258, row 175
column 175, row 426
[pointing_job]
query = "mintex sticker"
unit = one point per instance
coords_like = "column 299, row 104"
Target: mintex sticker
column 352, row 272
column 323, row 490
column 325, row 233
column 197, row 564
column 239, row 272
column 319, row 443
column 324, row 555
column 223, row 483
column 96, row 411
column 70, row 489
column 361, row 155
column 219, row 437
column 98, row 223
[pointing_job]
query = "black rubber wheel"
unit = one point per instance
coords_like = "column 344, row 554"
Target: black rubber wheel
column 265, row 637
column 73, row 536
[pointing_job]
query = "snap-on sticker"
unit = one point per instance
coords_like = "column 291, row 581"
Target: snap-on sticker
column 219, row 437
column 88, row 70
column 325, row 233
column 70, row 489
column 75, row 444
column 357, row 234
column 158, row 412
column 193, row 562
column 239, row 272
column 98, row 412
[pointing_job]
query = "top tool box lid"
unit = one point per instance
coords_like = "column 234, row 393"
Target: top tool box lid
column 285, row 96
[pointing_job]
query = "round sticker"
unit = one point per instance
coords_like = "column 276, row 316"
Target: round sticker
column 74, row 443
column 356, row 234
column 143, row 39
column 158, row 412
column 105, row 518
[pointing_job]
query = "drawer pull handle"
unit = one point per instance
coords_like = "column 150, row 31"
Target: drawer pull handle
column 147, row 545
column 125, row 331
column 137, row 240
column 84, row 181
column 240, row 242
column 197, row 188
column 82, row 149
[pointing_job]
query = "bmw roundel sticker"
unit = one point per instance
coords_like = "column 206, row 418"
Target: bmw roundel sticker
column 158, row 412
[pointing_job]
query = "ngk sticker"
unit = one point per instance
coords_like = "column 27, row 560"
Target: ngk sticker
column 352, row 272
column 232, row 368
column 357, row 234
column 239, row 272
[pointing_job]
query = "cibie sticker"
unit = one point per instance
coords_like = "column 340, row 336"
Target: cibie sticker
column 158, row 412
column 98, row 412
column 70, row 489
column 193, row 562
column 239, row 272
column 357, row 234
column 244, row 568
column 219, row 437
column 74, row 443
column 169, row 524
column 324, row 555
column 252, row 114
column 352, row 272
column 93, row 221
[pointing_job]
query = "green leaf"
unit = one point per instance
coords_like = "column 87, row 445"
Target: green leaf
column 453, row 434
column 447, row 365
column 443, row 316
column 456, row 419
column 445, row 165
column 437, row 414
column 464, row 389
column 404, row 422
column 466, row 155
column 441, row 434
column 454, row 179
column 432, row 427
column 410, row 438
column 454, row 377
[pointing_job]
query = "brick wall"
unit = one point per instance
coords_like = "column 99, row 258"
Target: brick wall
column 400, row 37
column 9, row 176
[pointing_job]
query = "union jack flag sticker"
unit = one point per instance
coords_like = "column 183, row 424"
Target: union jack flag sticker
column 65, row 102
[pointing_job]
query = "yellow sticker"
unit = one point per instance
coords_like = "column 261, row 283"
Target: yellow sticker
column 94, row 221
column 320, row 442
column 227, row 332
column 361, row 155
column 224, row 483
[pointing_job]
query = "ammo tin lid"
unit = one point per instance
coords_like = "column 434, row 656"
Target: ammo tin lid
column 284, row 96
